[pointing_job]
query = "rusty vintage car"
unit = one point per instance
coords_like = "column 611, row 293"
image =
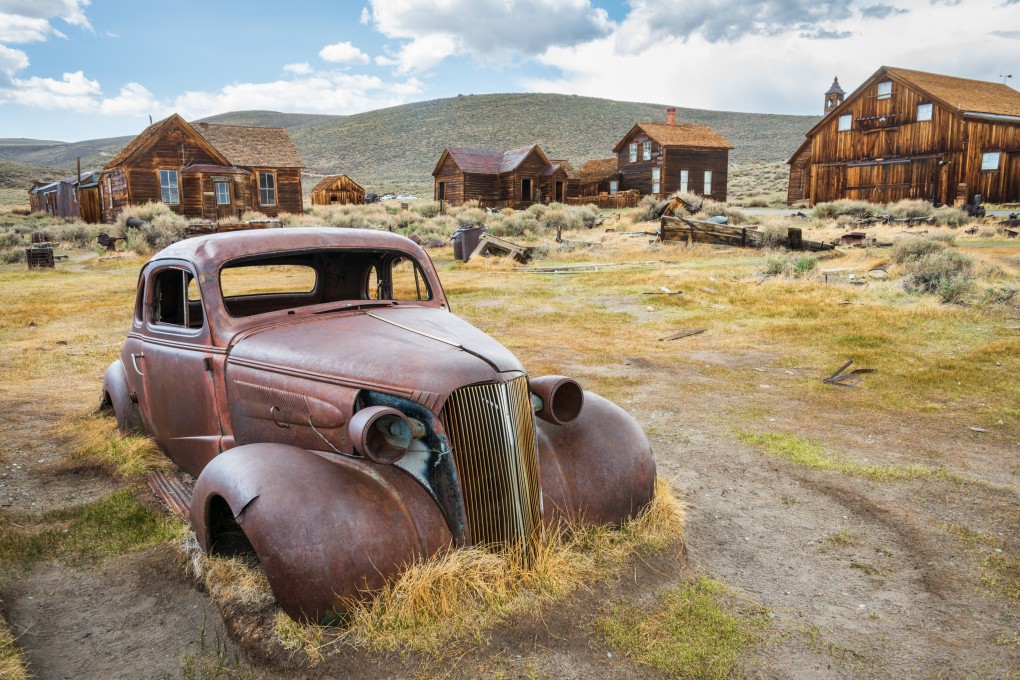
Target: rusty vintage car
column 342, row 422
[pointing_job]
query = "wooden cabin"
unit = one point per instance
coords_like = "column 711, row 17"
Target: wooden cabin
column 499, row 179
column 660, row 158
column 338, row 190
column 912, row 135
column 71, row 197
column 598, row 176
column 205, row 171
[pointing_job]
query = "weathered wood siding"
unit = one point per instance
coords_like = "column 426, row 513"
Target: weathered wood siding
column 113, row 193
column 696, row 161
column 638, row 175
column 341, row 191
column 453, row 178
column 511, row 183
column 800, row 176
column 289, row 198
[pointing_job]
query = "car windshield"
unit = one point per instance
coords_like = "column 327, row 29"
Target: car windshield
column 269, row 283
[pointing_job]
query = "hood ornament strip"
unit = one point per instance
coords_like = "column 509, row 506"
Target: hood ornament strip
column 451, row 343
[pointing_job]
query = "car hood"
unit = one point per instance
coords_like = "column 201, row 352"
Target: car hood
column 423, row 353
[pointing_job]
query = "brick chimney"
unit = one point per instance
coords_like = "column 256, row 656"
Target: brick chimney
column 671, row 116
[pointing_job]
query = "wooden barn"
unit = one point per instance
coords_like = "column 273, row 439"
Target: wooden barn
column 599, row 176
column 912, row 135
column 338, row 190
column 71, row 197
column 205, row 171
column 661, row 158
column 499, row 179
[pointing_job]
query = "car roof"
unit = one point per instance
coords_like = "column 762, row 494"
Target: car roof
column 212, row 250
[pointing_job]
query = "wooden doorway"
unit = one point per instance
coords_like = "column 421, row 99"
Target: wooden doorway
column 558, row 192
column 526, row 190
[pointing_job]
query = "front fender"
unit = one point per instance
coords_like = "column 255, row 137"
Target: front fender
column 598, row 468
column 322, row 526
column 117, row 394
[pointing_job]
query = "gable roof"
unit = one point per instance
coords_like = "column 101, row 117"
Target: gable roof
column 486, row 161
column 679, row 135
column 149, row 135
column 598, row 169
column 328, row 182
column 252, row 146
column 963, row 94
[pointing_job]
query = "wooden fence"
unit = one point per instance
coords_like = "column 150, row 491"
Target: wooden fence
column 623, row 199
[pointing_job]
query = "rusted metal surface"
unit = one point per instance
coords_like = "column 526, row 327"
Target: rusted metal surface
column 172, row 491
column 339, row 433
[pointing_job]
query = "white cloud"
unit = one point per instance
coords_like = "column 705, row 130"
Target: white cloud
column 302, row 68
column 19, row 30
column 74, row 91
column 488, row 29
column 343, row 53
column 70, row 11
column 11, row 61
column 366, row 16
column 133, row 99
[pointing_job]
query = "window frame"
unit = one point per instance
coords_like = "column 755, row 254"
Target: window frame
column 656, row 180
column 633, row 152
column 272, row 189
column 930, row 109
column 885, row 84
column 849, row 125
column 646, row 151
column 685, row 181
column 986, row 156
column 166, row 189
column 216, row 189
column 614, row 186
column 150, row 313
column 707, row 187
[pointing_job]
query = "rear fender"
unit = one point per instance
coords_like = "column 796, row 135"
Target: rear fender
column 117, row 395
column 598, row 468
column 324, row 527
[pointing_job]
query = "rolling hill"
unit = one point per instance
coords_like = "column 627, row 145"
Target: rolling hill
column 395, row 149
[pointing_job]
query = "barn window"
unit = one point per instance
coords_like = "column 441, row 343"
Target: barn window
column 708, row 183
column 684, row 174
column 267, row 188
column 633, row 152
column 885, row 89
column 168, row 187
column 923, row 112
column 647, row 151
column 222, row 193
column 990, row 160
column 656, row 176
column 845, row 122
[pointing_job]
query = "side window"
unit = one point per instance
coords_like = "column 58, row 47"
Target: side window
column 990, row 160
column 885, row 89
column 646, row 153
column 923, row 112
column 633, row 152
column 684, row 175
column 175, row 299
column 267, row 188
column 405, row 281
column 169, row 189
column 845, row 122
column 708, row 183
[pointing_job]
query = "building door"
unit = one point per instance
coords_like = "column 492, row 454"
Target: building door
column 526, row 191
column 559, row 192
column 224, row 197
column 441, row 192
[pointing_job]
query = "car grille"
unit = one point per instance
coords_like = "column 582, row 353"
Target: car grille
column 493, row 436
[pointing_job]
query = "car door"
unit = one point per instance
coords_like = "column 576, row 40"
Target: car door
column 178, row 400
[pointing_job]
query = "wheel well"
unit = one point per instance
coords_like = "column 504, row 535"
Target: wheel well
column 106, row 402
column 225, row 536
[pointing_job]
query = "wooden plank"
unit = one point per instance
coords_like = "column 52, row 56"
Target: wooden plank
column 684, row 333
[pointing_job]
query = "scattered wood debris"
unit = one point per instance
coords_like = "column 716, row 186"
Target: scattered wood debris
column 684, row 333
column 702, row 231
column 847, row 379
column 494, row 245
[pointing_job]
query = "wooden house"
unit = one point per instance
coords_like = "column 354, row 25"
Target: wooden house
column 908, row 134
column 338, row 190
column 599, row 176
column 660, row 158
column 205, row 171
column 71, row 197
column 498, row 179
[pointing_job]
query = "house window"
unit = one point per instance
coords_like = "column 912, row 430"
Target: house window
column 923, row 112
column 656, row 176
column 708, row 183
column 267, row 188
column 845, row 122
column 647, row 151
column 168, row 187
column 683, row 181
column 441, row 192
column 222, row 193
column 885, row 89
column 633, row 152
column 614, row 186
column 990, row 160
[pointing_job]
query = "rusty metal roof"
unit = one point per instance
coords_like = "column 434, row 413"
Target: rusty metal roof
column 963, row 94
column 488, row 162
column 253, row 147
column 835, row 88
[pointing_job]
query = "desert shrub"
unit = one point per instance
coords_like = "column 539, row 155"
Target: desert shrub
column 844, row 206
column 911, row 249
column 12, row 256
column 518, row 224
column 145, row 212
column 783, row 265
column 952, row 217
column 427, row 210
column 804, row 265
column 776, row 265
column 1006, row 295
column 12, row 239
column 78, row 234
column 440, row 226
column 254, row 216
column 710, row 208
column 649, row 209
column 157, row 234
column 910, row 208
column 588, row 215
column 773, row 236
column 468, row 216
column 537, row 210
column 946, row 273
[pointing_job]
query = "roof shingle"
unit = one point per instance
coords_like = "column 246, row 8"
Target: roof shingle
column 977, row 96
column 252, row 146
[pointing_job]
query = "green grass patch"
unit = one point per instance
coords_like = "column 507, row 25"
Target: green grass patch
column 109, row 526
column 813, row 455
column 700, row 630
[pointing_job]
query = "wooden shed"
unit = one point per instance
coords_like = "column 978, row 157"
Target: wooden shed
column 908, row 134
column 599, row 176
column 71, row 197
column 205, row 171
column 661, row 158
column 497, row 179
column 338, row 190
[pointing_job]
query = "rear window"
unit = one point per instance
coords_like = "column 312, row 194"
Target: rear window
column 267, row 279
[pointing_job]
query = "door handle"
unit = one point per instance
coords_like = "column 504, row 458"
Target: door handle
column 134, row 362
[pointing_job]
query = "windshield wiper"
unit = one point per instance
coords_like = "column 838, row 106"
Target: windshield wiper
column 361, row 304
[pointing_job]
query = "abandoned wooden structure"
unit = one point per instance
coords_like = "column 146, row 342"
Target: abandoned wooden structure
column 205, row 171
column 499, row 179
column 689, row 230
column 661, row 158
column 599, row 176
column 338, row 190
column 911, row 135
column 70, row 197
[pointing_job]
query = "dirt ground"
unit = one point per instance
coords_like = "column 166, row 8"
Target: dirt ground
column 861, row 578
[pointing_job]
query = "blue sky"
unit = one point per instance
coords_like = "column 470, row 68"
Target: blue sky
column 78, row 69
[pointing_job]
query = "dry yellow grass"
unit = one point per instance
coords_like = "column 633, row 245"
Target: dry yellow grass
column 13, row 664
column 97, row 441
